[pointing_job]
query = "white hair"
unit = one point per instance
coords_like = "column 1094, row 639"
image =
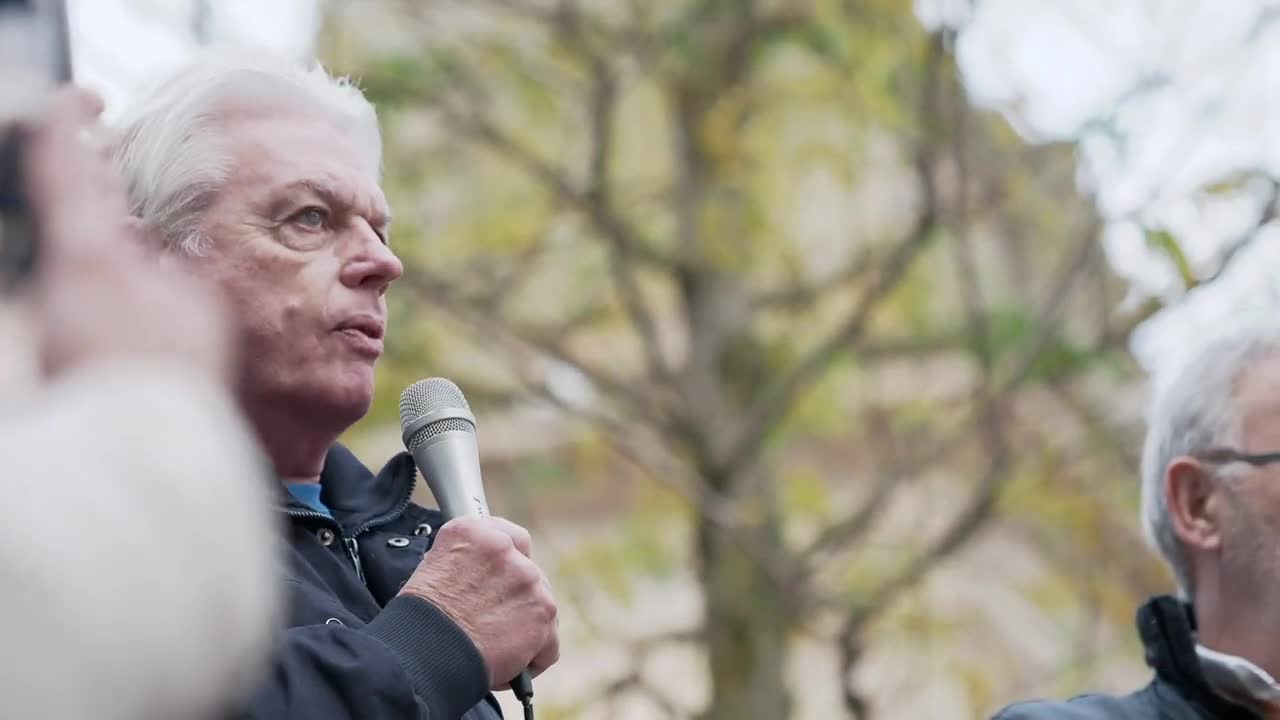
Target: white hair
column 1195, row 411
column 173, row 159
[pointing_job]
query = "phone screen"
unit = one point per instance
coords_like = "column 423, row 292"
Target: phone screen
column 34, row 59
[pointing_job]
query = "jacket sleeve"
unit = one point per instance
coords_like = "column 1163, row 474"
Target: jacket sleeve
column 411, row 661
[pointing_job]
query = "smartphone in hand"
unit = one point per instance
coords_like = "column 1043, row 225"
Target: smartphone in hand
column 35, row 58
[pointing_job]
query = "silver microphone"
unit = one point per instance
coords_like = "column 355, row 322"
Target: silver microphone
column 440, row 432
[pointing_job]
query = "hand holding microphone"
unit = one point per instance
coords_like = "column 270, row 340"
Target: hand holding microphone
column 479, row 571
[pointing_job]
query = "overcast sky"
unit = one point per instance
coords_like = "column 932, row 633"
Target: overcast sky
column 120, row 44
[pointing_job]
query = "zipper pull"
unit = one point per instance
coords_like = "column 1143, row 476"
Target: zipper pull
column 353, row 550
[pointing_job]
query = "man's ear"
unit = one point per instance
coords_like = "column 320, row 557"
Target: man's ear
column 1195, row 503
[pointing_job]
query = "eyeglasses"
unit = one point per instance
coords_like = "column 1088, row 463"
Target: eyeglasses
column 1222, row 455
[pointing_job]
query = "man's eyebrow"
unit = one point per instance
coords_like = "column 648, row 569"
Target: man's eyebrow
column 324, row 191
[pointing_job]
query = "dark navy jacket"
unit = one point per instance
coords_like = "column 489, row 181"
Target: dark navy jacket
column 1179, row 690
column 353, row 649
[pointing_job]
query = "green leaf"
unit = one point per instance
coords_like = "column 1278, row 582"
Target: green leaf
column 806, row 494
column 1229, row 185
column 1013, row 332
column 1166, row 243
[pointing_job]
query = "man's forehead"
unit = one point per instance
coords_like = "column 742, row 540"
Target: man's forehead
column 293, row 153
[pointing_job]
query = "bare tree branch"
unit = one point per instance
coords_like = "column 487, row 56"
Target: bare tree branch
column 623, row 246
column 604, row 93
column 1048, row 319
column 990, row 422
column 895, row 348
column 958, row 533
column 632, row 681
column 715, row 508
column 1229, row 253
column 647, row 456
column 476, row 126
column 961, row 529
column 719, row 510
column 630, row 38
column 547, row 341
column 850, row 646
column 970, row 519
column 983, row 501
column 1109, row 436
column 773, row 405
column 484, row 282
column 844, row 533
column 771, row 408
column 801, row 295
column 966, row 264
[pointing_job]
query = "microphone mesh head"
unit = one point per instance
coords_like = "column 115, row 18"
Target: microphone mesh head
column 429, row 396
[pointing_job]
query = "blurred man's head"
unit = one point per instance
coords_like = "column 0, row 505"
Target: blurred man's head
column 265, row 176
column 1211, row 497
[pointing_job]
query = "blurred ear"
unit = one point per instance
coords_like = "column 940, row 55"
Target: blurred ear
column 1196, row 503
column 143, row 240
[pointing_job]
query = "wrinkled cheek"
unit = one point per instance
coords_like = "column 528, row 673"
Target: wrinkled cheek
column 292, row 312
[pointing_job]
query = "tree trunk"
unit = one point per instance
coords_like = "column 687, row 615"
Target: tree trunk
column 746, row 625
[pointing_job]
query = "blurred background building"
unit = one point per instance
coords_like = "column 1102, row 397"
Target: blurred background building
column 811, row 338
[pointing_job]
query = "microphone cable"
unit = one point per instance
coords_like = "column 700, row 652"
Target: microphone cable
column 522, row 686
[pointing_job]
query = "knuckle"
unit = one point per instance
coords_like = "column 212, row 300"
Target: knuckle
column 496, row 541
column 468, row 523
column 493, row 543
column 449, row 534
column 527, row 574
column 547, row 600
column 516, row 532
column 550, row 610
column 458, row 529
column 549, row 653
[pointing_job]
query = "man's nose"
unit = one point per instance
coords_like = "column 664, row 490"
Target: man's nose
column 373, row 265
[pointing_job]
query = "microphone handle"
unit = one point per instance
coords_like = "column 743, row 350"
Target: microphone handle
column 522, row 685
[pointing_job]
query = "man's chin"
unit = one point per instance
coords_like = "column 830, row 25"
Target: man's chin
column 347, row 398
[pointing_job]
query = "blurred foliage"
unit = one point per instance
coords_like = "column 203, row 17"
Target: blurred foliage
column 781, row 312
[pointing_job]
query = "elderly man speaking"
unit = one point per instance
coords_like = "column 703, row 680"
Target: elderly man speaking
column 263, row 176
column 1211, row 505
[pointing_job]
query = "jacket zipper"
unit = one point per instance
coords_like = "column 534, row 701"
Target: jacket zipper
column 309, row 515
column 392, row 516
column 353, row 551
column 348, row 543
column 351, row 544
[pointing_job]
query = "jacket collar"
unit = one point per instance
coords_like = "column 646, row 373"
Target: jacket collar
column 1167, row 627
column 1238, row 679
column 354, row 494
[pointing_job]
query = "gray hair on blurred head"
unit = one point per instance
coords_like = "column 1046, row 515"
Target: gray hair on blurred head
column 174, row 160
column 1195, row 411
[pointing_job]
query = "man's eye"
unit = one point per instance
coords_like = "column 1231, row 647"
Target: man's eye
column 312, row 218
